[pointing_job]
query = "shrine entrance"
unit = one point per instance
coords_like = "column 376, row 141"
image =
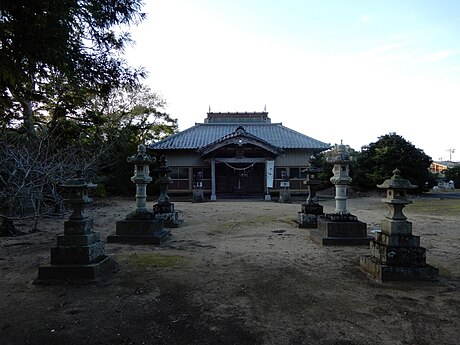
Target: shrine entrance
column 238, row 179
column 239, row 164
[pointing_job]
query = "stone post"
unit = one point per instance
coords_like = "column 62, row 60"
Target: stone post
column 164, row 208
column 141, row 226
column 396, row 253
column 198, row 195
column 340, row 227
column 79, row 255
column 311, row 209
column 285, row 191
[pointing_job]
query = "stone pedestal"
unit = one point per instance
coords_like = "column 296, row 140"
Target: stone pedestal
column 164, row 209
column 197, row 195
column 340, row 227
column 308, row 216
column 140, row 226
column 148, row 229
column 197, row 192
column 167, row 213
column 79, row 255
column 396, row 253
column 139, row 232
column 285, row 192
column 285, row 196
column 337, row 230
column 311, row 209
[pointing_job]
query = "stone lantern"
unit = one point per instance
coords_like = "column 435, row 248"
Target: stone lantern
column 340, row 227
column 141, row 178
column 341, row 178
column 164, row 181
column 396, row 253
column 197, row 193
column 285, row 191
column 396, row 200
column 141, row 226
column 79, row 254
column 311, row 209
column 164, row 208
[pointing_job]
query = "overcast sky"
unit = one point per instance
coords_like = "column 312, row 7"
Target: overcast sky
column 331, row 69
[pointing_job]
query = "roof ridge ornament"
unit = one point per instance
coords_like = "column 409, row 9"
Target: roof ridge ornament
column 240, row 129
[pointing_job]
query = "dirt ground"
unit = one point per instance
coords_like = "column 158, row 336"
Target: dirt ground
column 235, row 272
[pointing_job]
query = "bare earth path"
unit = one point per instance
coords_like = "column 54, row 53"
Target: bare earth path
column 236, row 272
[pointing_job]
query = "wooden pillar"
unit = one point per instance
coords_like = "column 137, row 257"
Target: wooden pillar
column 213, row 180
column 190, row 179
column 268, row 166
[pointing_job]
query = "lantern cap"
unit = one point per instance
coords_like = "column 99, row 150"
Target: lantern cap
column 397, row 182
column 141, row 157
column 78, row 181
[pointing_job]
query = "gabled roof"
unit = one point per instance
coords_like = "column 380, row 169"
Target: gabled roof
column 203, row 134
column 239, row 137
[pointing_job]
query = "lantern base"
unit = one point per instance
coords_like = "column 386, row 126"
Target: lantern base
column 340, row 233
column 198, row 195
column 285, row 196
column 97, row 271
column 139, row 232
column 308, row 217
column 384, row 273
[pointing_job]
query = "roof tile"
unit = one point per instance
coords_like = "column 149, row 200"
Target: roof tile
column 203, row 134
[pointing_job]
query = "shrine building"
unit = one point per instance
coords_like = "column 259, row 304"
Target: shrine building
column 239, row 154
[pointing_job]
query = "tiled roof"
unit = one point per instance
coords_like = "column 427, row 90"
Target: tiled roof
column 203, row 134
column 240, row 132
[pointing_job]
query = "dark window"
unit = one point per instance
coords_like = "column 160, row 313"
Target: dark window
column 179, row 173
column 294, row 172
column 303, row 174
column 206, row 172
column 278, row 172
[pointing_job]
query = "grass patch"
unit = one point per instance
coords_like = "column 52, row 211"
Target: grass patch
column 144, row 261
column 435, row 207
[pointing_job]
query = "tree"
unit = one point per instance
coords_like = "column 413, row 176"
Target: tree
column 453, row 174
column 130, row 116
column 31, row 171
column 377, row 161
column 79, row 43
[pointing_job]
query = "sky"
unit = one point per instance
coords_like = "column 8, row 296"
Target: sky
column 334, row 70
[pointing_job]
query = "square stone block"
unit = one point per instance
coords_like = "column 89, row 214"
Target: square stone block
column 77, row 255
column 397, row 240
column 163, row 208
column 78, row 240
column 307, row 221
column 312, row 209
column 93, row 272
column 332, row 233
column 405, row 256
column 140, row 232
column 139, row 227
column 78, row 227
column 384, row 273
column 342, row 229
column 197, row 195
column 396, row 227
column 158, row 238
column 170, row 220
